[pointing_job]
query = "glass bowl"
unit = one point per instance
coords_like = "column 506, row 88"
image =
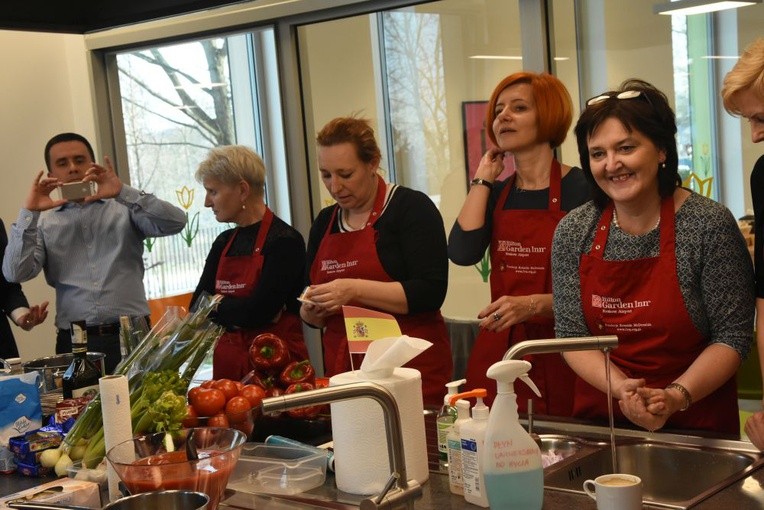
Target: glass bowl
column 144, row 463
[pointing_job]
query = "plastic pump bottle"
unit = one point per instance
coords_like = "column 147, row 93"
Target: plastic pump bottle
column 514, row 476
column 455, row 480
column 446, row 418
column 472, row 435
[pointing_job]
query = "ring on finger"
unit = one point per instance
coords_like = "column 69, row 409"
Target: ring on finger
column 496, row 317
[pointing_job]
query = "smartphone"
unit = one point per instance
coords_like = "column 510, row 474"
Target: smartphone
column 77, row 190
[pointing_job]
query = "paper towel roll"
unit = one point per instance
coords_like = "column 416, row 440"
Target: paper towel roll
column 115, row 407
column 362, row 465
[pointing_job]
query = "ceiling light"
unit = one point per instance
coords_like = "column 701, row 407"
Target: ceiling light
column 497, row 57
column 688, row 7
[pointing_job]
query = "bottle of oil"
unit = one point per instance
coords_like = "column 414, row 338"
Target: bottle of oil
column 81, row 377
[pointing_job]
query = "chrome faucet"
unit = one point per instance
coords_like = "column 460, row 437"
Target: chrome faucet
column 583, row 343
column 398, row 490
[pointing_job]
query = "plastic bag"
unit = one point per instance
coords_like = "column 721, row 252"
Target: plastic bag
column 20, row 408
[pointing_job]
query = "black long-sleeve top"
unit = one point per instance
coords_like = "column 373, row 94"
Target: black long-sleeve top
column 281, row 279
column 11, row 298
column 411, row 246
column 757, row 196
column 466, row 247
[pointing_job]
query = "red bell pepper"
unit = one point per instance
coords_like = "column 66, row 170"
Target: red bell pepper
column 302, row 412
column 268, row 352
column 298, row 372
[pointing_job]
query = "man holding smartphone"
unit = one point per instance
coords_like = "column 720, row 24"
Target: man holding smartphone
column 89, row 248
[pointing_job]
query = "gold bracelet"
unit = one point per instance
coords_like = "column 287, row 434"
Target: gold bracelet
column 686, row 394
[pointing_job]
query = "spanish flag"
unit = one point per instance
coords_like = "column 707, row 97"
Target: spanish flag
column 363, row 326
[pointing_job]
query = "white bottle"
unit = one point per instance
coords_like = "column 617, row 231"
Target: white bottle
column 514, row 476
column 472, row 435
column 455, row 481
column 446, row 418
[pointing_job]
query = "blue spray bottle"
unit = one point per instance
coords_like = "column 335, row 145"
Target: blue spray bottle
column 514, row 476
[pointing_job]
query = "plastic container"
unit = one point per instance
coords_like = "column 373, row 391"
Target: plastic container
column 455, row 480
column 446, row 418
column 512, row 467
column 96, row 475
column 472, row 435
column 273, row 469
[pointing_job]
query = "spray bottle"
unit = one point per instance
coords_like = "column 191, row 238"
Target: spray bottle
column 472, row 435
column 446, row 418
column 514, row 476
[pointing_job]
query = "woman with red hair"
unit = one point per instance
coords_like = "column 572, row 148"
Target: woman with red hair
column 528, row 117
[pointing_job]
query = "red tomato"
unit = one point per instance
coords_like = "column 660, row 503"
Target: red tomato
column 207, row 384
column 219, row 420
column 227, row 386
column 237, row 409
column 239, row 385
column 192, row 418
column 209, row 401
column 192, row 392
column 254, row 393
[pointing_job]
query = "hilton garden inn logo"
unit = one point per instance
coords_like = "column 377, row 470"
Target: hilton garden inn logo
column 615, row 304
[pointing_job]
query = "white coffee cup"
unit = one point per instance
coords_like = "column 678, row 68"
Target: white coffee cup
column 617, row 491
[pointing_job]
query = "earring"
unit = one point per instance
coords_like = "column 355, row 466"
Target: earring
column 243, row 207
column 663, row 165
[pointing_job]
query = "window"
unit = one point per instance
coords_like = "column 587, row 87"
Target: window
column 177, row 102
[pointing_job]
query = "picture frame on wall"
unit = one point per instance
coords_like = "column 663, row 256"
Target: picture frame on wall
column 476, row 140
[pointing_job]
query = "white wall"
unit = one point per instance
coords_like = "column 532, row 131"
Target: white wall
column 45, row 88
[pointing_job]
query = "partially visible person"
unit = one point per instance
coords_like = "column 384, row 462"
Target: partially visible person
column 91, row 249
column 15, row 306
column 743, row 95
column 257, row 267
column 381, row 246
column 528, row 116
column 664, row 269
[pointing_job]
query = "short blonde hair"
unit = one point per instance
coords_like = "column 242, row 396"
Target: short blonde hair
column 232, row 163
column 748, row 73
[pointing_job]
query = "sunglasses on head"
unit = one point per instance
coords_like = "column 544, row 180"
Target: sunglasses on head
column 626, row 94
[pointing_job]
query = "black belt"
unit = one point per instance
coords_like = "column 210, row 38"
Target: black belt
column 109, row 329
column 103, row 329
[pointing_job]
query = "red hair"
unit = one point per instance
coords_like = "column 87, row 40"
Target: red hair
column 553, row 103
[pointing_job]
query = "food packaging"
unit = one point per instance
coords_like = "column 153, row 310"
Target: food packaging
column 20, row 408
column 33, row 441
column 63, row 491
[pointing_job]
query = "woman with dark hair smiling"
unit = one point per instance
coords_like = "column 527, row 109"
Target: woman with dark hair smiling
column 663, row 268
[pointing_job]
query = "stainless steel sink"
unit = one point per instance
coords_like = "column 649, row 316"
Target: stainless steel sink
column 673, row 475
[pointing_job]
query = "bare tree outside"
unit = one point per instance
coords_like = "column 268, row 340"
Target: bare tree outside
column 417, row 91
column 176, row 104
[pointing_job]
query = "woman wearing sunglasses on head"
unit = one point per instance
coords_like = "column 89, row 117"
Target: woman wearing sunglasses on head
column 528, row 116
column 661, row 267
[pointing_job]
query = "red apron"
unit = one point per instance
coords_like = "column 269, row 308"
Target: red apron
column 521, row 246
column 640, row 301
column 238, row 277
column 354, row 255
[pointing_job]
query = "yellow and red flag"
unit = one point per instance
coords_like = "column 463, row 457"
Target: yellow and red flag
column 363, row 326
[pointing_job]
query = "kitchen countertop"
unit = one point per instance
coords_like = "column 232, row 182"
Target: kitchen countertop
column 746, row 493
